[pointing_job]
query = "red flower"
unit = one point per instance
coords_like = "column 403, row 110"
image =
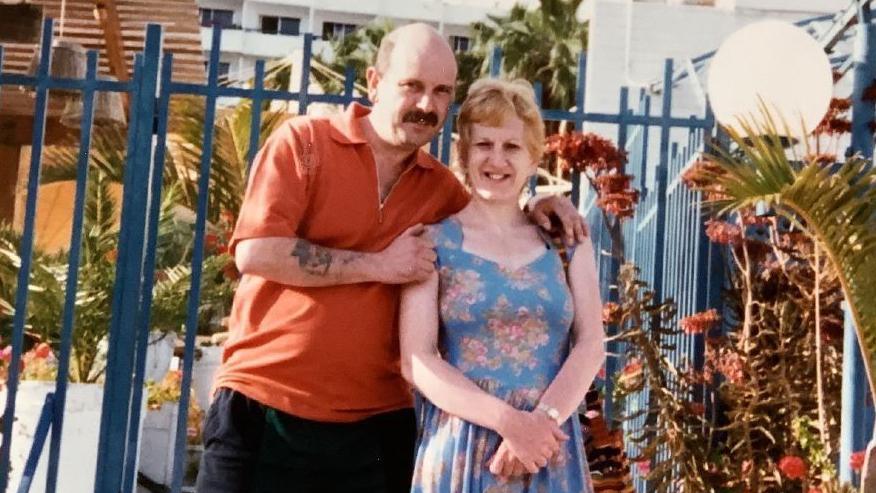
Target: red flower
column 612, row 182
column 112, row 255
column 644, row 467
column 723, row 233
column 211, row 241
column 585, row 151
column 611, row 313
column 42, row 351
column 699, row 323
column 792, row 467
column 6, row 355
column 857, row 460
column 634, row 366
column 701, row 174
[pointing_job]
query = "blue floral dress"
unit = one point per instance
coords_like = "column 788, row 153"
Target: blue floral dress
column 508, row 331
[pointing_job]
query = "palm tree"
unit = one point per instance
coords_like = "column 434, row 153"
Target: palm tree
column 835, row 205
column 537, row 45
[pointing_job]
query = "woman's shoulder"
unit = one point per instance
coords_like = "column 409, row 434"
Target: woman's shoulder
column 446, row 233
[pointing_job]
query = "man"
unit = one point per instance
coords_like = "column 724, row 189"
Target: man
column 310, row 397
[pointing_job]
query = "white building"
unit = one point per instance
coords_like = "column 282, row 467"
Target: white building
column 269, row 29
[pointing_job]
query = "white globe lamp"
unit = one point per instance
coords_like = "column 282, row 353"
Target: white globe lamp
column 773, row 64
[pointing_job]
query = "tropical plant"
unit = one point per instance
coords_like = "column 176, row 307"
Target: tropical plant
column 538, row 44
column 833, row 205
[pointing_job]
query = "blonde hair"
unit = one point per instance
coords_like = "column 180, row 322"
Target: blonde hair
column 492, row 102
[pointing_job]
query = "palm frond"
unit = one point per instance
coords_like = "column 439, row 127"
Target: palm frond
column 836, row 205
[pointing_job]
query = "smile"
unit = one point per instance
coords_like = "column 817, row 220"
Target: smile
column 496, row 176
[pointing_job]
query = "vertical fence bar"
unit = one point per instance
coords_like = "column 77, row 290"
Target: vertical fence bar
column 857, row 423
column 349, row 82
column 72, row 272
column 579, row 122
column 662, row 178
column 26, row 248
column 496, row 62
column 255, row 123
column 123, row 245
column 117, row 401
column 198, row 256
column 153, row 209
column 303, row 96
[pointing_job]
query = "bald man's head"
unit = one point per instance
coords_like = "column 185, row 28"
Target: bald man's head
column 411, row 85
column 418, row 33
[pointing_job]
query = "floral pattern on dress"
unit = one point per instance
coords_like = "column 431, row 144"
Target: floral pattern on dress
column 524, row 277
column 462, row 289
column 516, row 333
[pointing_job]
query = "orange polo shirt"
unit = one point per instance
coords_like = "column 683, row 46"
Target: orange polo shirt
column 328, row 353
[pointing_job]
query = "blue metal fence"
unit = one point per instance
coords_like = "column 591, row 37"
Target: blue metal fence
column 665, row 227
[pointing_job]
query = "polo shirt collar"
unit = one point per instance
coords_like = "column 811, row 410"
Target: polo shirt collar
column 346, row 128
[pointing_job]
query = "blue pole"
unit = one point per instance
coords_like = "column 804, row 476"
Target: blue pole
column 857, row 419
column 27, row 246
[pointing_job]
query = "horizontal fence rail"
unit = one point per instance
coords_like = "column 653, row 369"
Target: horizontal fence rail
column 665, row 229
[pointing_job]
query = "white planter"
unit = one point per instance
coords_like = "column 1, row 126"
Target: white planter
column 79, row 443
column 202, row 374
column 157, row 443
column 159, row 355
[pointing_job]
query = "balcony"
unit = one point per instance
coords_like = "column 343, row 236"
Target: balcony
column 251, row 42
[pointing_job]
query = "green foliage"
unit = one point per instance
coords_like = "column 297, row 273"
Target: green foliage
column 537, row 45
column 835, row 205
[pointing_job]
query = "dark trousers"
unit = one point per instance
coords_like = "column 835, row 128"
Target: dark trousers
column 250, row 448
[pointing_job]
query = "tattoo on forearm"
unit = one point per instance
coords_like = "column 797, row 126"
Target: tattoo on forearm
column 313, row 259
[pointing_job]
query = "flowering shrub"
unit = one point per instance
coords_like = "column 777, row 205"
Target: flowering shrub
column 169, row 390
column 602, row 163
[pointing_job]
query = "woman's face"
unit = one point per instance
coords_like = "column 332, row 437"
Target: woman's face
column 499, row 164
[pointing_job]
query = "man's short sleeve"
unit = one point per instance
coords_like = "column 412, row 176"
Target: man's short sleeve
column 276, row 194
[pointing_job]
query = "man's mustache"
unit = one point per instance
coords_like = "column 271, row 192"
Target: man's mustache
column 421, row 117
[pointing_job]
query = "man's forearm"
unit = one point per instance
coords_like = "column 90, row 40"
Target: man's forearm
column 298, row 262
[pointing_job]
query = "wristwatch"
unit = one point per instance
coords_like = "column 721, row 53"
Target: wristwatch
column 551, row 412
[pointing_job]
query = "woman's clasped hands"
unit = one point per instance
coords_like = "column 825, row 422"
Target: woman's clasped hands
column 530, row 440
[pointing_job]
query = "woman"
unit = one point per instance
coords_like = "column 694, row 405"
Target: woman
column 500, row 347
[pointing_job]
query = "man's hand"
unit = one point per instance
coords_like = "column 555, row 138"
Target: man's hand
column 409, row 258
column 573, row 227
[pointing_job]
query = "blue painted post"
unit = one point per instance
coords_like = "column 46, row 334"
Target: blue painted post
column 194, row 298
column 857, row 419
column 661, row 181
column 303, row 96
column 118, row 388
column 156, row 178
column 579, row 121
column 349, row 81
column 72, row 272
column 255, row 123
column 26, row 248
column 496, row 61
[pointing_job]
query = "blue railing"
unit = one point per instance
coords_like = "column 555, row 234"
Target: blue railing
column 665, row 225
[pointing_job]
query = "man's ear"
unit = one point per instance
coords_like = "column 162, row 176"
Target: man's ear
column 372, row 78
